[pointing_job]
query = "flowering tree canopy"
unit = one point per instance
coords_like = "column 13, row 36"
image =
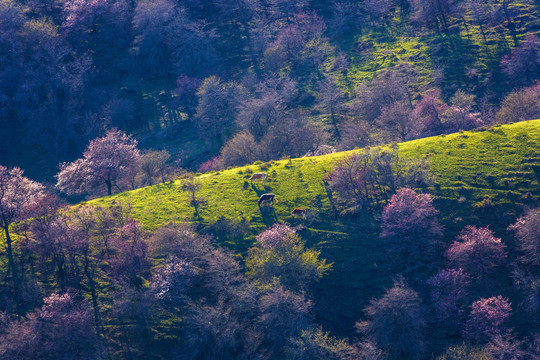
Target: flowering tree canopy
column 281, row 253
column 411, row 219
column 448, row 288
column 488, row 317
column 17, row 194
column 105, row 161
column 476, row 250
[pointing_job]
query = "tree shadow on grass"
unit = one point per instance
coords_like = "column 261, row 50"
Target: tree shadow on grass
column 197, row 203
column 331, row 199
column 268, row 215
column 261, row 190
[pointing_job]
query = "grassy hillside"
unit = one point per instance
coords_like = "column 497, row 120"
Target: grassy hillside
column 494, row 162
column 469, row 167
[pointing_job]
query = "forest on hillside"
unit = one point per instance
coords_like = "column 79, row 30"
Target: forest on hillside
column 225, row 83
column 270, row 179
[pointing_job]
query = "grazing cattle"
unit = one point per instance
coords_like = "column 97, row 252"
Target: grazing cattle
column 299, row 212
column 258, row 176
column 267, row 197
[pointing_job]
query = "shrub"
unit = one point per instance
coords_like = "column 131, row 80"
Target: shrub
column 240, row 150
column 283, row 314
column 464, row 351
column 213, row 164
column 226, row 227
column 179, row 240
column 520, row 105
column 172, row 281
column 319, row 345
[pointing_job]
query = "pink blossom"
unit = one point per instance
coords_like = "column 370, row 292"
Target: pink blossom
column 275, row 236
column 476, row 250
column 488, row 317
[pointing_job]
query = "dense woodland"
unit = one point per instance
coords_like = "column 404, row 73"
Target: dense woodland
column 98, row 97
column 237, row 81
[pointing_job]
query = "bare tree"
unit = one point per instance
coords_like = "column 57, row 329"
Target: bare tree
column 154, row 163
column 397, row 322
column 331, row 100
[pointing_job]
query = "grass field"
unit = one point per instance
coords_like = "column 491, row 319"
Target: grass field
column 496, row 164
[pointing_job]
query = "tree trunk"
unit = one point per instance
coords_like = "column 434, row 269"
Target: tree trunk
column 162, row 176
column 485, row 39
column 93, row 294
column 109, row 187
column 333, row 116
column 11, row 262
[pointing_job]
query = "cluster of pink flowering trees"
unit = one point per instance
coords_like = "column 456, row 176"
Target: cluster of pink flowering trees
column 396, row 321
column 105, row 272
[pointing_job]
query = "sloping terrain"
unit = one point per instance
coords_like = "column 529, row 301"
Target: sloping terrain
column 496, row 164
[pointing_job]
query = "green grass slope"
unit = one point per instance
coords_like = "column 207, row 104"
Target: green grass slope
column 496, row 164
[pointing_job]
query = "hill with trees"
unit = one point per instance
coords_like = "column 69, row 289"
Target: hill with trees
column 269, row 179
column 406, row 250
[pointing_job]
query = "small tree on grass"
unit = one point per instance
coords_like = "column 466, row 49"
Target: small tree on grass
column 350, row 179
column 488, row 318
column 105, row 162
column 17, row 195
column 281, row 253
column 154, row 163
column 527, row 232
column 476, row 250
column 396, row 322
column 410, row 220
column 192, row 185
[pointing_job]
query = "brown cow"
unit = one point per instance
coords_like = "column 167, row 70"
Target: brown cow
column 258, row 176
column 299, row 212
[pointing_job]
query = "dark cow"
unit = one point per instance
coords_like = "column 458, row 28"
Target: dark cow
column 267, row 197
column 299, row 212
